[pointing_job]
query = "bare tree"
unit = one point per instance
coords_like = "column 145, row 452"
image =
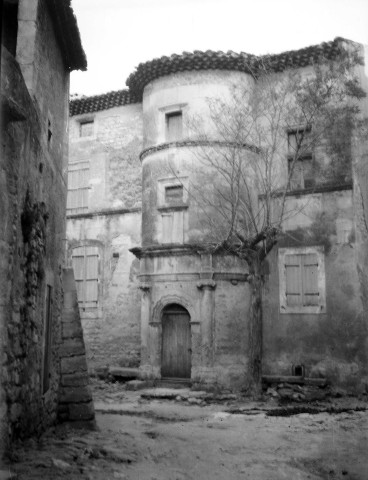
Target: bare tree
column 253, row 152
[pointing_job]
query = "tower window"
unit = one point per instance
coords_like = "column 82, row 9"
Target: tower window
column 174, row 126
column 86, row 128
column 174, row 194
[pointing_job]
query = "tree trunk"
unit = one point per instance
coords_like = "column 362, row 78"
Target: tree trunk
column 255, row 330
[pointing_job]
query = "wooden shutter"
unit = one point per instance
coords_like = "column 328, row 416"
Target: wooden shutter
column 294, row 290
column 91, row 289
column 78, row 184
column 174, row 194
column 167, row 227
column 174, row 126
column 85, row 266
column 310, row 279
column 178, row 227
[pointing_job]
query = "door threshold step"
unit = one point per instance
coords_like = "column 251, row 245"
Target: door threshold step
column 174, row 382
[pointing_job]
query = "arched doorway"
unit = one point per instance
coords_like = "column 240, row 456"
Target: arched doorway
column 176, row 342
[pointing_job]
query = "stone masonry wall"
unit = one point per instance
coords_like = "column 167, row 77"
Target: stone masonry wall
column 112, row 331
column 32, row 209
column 113, row 224
column 75, row 397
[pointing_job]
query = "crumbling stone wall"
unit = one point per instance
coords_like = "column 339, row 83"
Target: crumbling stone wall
column 34, row 113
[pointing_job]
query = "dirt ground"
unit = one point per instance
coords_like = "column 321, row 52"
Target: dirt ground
column 166, row 434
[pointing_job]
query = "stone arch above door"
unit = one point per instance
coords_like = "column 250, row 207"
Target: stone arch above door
column 169, row 299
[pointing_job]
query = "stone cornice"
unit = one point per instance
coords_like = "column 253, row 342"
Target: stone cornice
column 107, row 212
column 206, row 284
column 195, row 143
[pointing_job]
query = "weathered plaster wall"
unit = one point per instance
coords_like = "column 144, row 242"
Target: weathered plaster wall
column 33, row 197
column 328, row 344
column 215, row 294
column 113, row 152
column 189, row 92
column 112, row 331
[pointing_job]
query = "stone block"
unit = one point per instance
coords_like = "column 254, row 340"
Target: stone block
column 81, row 411
column 124, row 372
column 15, row 411
column 27, row 9
column 75, row 379
column 72, row 348
column 73, row 364
column 76, row 395
column 71, row 330
column 70, row 300
column 70, row 316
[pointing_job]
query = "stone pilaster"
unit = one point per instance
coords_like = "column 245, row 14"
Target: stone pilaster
column 207, row 309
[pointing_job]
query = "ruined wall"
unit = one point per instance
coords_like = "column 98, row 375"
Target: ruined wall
column 331, row 343
column 112, row 223
column 33, row 196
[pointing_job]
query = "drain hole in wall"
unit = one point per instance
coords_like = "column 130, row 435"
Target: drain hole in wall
column 298, row 370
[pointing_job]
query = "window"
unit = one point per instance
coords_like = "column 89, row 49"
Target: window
column 86, row 129
column 302, row 280
column 78, row 186
column 173, row 227
column 174, row 126
column 85, row 265
column 47, row 341
column 300, row 159
column 174, row 194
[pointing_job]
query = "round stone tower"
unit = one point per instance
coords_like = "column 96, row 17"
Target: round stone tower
column 194, row 302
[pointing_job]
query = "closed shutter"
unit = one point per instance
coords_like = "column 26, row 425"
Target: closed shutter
column 302, row 280
column 85, row 266
column 293, row 267
column 178, row 227
column 91, row 295
column 173, row 227
column 78, row 184
column 174, row 126
column 310, row 279
column 167, row 226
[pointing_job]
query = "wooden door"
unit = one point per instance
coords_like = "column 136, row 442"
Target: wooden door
column 176, row 342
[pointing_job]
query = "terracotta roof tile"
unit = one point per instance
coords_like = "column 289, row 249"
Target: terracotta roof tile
column 197, row 60
column 243, row 62
column 96, row 103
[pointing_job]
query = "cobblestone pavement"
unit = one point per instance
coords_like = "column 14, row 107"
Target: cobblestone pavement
column 177, row 434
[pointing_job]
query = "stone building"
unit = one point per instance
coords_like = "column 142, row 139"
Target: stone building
column 104, row 222
column 40, row 47
column 194, row 303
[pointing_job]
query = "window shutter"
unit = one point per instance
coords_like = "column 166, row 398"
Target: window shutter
column 310, row 280
column 167, row 227
column 174, row 126
column 78, row 184
column 178, row 227
column 293, row 280
column 85, row 266
column 91, row 276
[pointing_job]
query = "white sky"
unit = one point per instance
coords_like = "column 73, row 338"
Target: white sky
column 117, row 35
